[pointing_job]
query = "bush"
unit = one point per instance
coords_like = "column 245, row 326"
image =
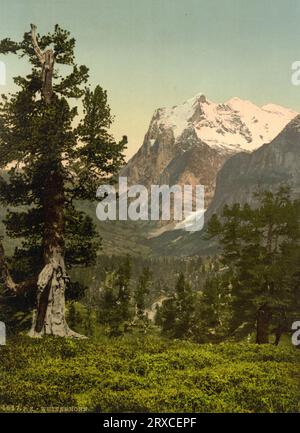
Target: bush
column 150, row 374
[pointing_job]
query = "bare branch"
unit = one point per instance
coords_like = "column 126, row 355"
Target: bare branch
column 47, row 62
column 36, row 47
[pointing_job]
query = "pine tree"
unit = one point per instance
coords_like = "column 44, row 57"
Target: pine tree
column 176, row 314
column 141, row 291
column 213, row 309
column 124, row 291
column 52, row 164
column 107, row 313
column 115, row 306
column 260, row 250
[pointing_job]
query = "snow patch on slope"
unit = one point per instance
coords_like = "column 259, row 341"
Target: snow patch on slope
column 236, row 125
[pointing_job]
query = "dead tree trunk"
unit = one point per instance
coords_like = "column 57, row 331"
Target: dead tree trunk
column 49, row 317
column 46, row 60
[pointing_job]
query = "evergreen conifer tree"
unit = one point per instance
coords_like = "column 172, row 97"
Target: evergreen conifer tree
column 51, row 162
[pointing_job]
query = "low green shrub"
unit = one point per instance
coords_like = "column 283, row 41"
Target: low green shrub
column 152, row 374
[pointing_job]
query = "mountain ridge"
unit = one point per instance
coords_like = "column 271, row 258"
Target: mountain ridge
column 272, row 165
column 189, row 143
column 269, row 167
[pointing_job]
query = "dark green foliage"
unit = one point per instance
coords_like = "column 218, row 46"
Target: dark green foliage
column 213, row 311
column 177, row 313
column 38, row 139
column 261, row 256
column 141, row 291
column 150, row 374
column 164, row 273
column 82, row 318
column 115, row 308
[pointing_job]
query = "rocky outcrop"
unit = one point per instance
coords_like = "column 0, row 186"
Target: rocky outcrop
column 272, row 165
column 189, row 143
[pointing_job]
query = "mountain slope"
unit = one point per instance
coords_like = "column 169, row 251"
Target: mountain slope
column 267, row 168
column 190, row 142
column 274, row 164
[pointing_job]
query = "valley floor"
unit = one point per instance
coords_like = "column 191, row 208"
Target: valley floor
column 147, row 374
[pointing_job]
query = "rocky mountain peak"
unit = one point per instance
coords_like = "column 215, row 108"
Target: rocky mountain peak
column 189, row 142
column 233, row 126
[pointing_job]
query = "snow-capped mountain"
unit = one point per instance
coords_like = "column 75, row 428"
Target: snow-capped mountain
column 267, row 168
column 233, row 126
column 188, row 143
column 273, row 165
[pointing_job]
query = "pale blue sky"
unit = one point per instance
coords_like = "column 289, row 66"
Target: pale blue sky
column 152, row 53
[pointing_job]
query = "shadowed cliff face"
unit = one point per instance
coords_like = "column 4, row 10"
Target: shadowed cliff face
column 267, row 168
column 197, row 143
column 189, row 143
column 185, row 161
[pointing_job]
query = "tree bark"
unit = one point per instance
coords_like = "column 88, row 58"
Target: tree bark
column 49, row 317
column 46, row 60
column 264, row 316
